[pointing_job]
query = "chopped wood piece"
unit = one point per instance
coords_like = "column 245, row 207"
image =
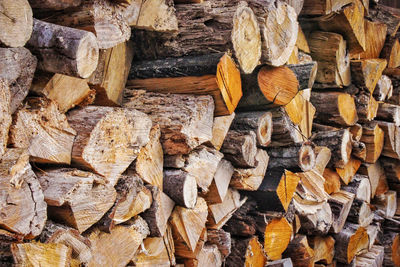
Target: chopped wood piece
column 49, row 139
column 351, row 241
column 334, row 107
column 64, row 50
column 292, row 157
column 372, row 231
column 329, row 50
column 246, row 252
column 305, row 73
column 383, row 89
column 388, row 112
column 374, row 257
column 104, row 247
column 209, row 255
column 391, row 146
column 360, row 213
column 267, row 87
column 187, row 225
column 391, row 51
column 367, row 72
column 324, row 248
column 391, row 241
column 300, row 250
column 222, row 178
column 295, row 108
column 367, row 107
column 359, row 186
column 16, row 23
column 322, row 7
column 181, row 187
column 17, row 67
column 259, row 121
column 340, row 203
column 243, row 221
column 373, row 137
column 359, row 150
column 392, row 169
column 375, row 172
column 54, row 4
column 276, row 190
column 24, row 208
column 356, row 132
column 339, row 142
column 5, row 114
column 375, row 36
column 311, row 187
column 76, row 198
column 302, row 42
column 250, row 179
column 185, row 120
column 322, row 158
column 332, row 181
column 280, row 263
column 240, row 148
column 284, row 132
column 39, row 254
column 349, row 170
column 185, row 254
column 159, row 212
column 220, row 128
column 387, row 203
column 108, row 139
column 222, row 239
column 382, row 13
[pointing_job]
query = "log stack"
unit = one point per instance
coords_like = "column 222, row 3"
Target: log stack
column 199, row 133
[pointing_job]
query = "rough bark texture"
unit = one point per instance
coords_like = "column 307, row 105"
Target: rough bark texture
column 240, row 148
column 181, row 187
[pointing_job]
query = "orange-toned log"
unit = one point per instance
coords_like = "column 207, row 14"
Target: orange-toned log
column 349, row 170
column 246, row 252
column 332, row 181
column 367, row 72
column 373, row 137
column 300, row 251
column 324, row 248
column 375, row 36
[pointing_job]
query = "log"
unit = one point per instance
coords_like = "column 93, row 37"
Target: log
column 198, row 23
column 5, row 114
column 322, row 158
column 50, row 137
column 251, row 178
column 367, row 107
column 360, row 213
column 295, row 157
column 384, row 14
column 322, row 7
column 350, row 169
column 214, row 74
column 311, row 187
column 39, row 254
column 185, row 254
column 373, row 137
column 339, row 142
column 383, row 89
column 131, row 235
column 17, row 67
column 111, row 74
column 280, row 263
column 324, row 248
column 222, row 239
column 246, row 252
column 332, row 181
column 391, row 51
column 390, row 241
column 209, row 255
column 375, row 36
column 159, row 212
column 181, row 187
column 335, row 108
column 359, row 186
column 372, row 231
column 16, row 23
column 26, row 214
column 300, row 250
column 100, row 17
column 389, row 112
column 351, row 241
column 306, row 73
column 359, row 150
column 54, row 4
column 220, row 128
column 340, row 203
column 243, row 222
column 392, row 169
column 221, row 181
column 240, row 148
column 66, row 91
column 284, row 132
column 391, row 145
column 387, row 203
column 374, row 257
column 367, row 72
column 191, row 123
column 375, row 172
column 101, row 131
column 329, row 50
column 260, row 122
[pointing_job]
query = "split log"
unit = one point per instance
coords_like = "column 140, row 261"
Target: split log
column 159, row 212
column 334, row 107
column 101, row 131
column 349, row 170
column 374, row 257
column 360, row 186
column 26, row 214
column 359, row 150
column 209, row 255
column 16, row 23
column 295, row 157
column 339, row 142
column 185, row 121
column 340, row 203
column 268, row 87
column 351, row 241
column 300, row 250
column 284, row 132
column 54, row 4
column 101, row 17
column 367, row 107
column 111, row 74
column 322, row 158
column 373, row 137
column 324, row 248
column 187, row 226
column 375, row 172
column 185, row 254
column 306, row 73
column 76, row 198
column 302, row 43
column 360, row 213
column 64, row 50
column 392, row 169
column 243, row 221
column 322, row 7
column 387, row 203
column 372, row 231
column 222, row 239
column 5, row 114
column 131, row 235
column 220, row 128
column 49, row 139
column 375, row 36
column 246, row 252
column 332, row 181
column 381, row 13
column 391, row 51
column 389, row 112
column 240, row 148
column 198, row 23
column 260, row 122
column 391, row 144
column 391, row 241
column 66, row 91
column 39, row 254
column 383, row 89
column 219, row 186
column 311, row 187
column 250, row 179
column 181, row 187
column 17, row 67
column 367, row 72
column 214, row 74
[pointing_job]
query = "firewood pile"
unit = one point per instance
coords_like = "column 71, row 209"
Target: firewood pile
column 199, row 133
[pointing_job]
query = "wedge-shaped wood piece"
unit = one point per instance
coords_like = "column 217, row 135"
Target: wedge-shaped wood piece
column 50, row 137
column 251, row 178
column 373, row 138
column 54, row 4
column 360, row 213
column 26, row 214
column 383, row 89
column 17, row 67
column 105, row 245
column 209, row 255
column 374, row 257
column 185, row 120
column 240, row 148
column 5, row 114
column 391, row 145
column 385, row 14
column 108, row 139
column 391, row 242
column 76, row 198
column 220, row 128
column 214, row 74
column 332, row 181
column 359, row 186
column 219, row 186
column 350, row 241
column 39, row 254
column 375, row 36
column 391, row 51
column 387, row 203
column 367, row 107
column 306, row 73
column 329, row 50
column 246, row 252
column 340, row 203
column 300, row 250
column 243, row 221
column 367, row 72
column 349, row 170
column 284, row 132
column 185, row 254
column 322, row 7
column 181, row 187
column 375, row 172
column 389, row 112
column 322, row 157
column 324, row 248
column 295, row 157
column 222, row 239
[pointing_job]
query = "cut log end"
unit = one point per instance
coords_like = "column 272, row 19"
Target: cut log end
column 87, row 56
column 347, row 109
column 306, row 158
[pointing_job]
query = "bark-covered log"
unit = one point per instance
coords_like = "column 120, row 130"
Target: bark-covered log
column 367, row 72
column 284, row 132
column 246, row 252
column 292, row 157
column 181, row 187
column 389, row 112
column 222, row 239
column 340, row 203
column 359, row 186
column 300, row 250
column 240, row 148
column 306, row 73
column 373, row 138
column 221, row 181
column 383, row 89
column 382, row 13
column 367, row 107
column 391, row 145
column 351, row 241
column 360, row 213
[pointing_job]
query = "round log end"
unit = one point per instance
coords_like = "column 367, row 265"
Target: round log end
column 346, row 147
column 264, row 130
column 87, row 55
column 364, row 190
column 190, row 192
column 246, row 38
column 347, row 109
column 16, row 22
column 279, row 85
column 306, row 158
column 249, row 148
column 277, row 237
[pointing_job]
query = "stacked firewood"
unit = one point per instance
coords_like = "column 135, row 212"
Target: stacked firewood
column 199, row 133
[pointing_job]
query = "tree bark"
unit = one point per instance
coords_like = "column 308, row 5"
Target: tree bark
column 300, row 250
column 240, row 148
column 246, row 252
column 340, row 203
column 360, row 187
column 181, row 187
column 54, row 4
column 295, row 157
column 383, row 89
